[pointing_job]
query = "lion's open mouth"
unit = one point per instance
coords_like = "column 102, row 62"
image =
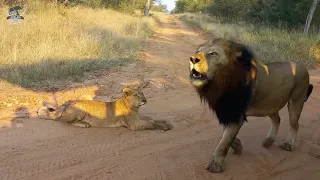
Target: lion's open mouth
column 195, row 75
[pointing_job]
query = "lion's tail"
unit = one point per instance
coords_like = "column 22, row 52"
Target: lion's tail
column 310, row 88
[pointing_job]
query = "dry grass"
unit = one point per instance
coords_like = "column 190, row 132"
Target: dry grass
column 269, row 44
column 56, row 42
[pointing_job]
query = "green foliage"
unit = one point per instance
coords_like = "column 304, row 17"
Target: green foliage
column 286, row 13
column 190, row 5
column 269, row 44
column 229, row 9
column 159, row 7
column 291, row 13
column 123, row 5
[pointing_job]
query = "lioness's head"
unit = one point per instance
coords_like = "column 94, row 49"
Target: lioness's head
column 135, row 96
column 47, row 111
column 217, row 59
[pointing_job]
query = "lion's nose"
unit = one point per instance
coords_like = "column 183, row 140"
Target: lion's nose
column 194, row 60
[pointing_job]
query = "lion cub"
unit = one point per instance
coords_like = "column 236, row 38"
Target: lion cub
column 89, row 113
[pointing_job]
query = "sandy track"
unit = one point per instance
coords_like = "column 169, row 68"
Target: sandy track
column 35, row 149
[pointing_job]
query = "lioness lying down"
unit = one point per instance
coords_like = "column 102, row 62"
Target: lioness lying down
column 89, row 113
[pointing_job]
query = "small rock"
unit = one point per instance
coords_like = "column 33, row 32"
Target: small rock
column 9, row 105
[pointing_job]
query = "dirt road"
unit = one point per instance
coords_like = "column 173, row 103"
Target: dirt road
column 35, row 149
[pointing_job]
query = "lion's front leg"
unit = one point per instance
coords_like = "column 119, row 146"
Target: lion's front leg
column 236, row 144
column 230, row 132
column 79, row 121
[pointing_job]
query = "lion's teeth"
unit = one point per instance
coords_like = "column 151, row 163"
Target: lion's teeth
column 194, row 75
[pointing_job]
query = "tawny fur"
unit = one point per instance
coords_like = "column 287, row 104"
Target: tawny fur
column 235, row 85
column 89, row 113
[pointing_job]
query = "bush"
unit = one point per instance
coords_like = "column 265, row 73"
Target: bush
column 285, row 13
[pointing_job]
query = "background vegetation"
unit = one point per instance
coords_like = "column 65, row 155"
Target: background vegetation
column 58, row 42
column 284, row 13
column 272, row 28
column 62, row 39
column 127, row 6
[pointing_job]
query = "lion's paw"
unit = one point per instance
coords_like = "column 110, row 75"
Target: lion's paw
column 286, row 146
column 267, row 142
column 215, row 167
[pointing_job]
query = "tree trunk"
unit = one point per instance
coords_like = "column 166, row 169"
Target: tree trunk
column 147, row 8
column 310, row 15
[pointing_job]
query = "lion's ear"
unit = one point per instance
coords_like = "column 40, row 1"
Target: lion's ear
column 244, row 55
column 127, row 91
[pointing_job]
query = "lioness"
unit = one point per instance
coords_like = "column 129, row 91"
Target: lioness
column 89, row 113
column 227, row 76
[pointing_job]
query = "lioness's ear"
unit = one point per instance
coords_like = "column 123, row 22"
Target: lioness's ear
column 127, row 91
column 46, row 103
column 51, row 107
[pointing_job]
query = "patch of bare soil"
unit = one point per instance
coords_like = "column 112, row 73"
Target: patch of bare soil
column 36, row 149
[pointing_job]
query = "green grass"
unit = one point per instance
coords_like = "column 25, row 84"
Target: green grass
column 269, row 44
column 56, row 42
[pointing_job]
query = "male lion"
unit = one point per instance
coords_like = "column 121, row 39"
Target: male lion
column 89, row 113
column 227, row 76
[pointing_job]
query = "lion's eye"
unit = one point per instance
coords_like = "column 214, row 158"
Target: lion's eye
column 213, row 53
column 51, row 109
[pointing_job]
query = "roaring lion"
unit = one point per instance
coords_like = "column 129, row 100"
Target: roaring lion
column 228, row 77
column 86, row 112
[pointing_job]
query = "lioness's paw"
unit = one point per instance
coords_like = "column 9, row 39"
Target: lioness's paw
column 81, row 124
column 215, row 167
column 163, row 125
column 166, row 127
column 267, row 142
column 160, row 121
column 286, row 146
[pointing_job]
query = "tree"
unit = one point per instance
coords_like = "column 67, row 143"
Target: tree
column 147, row 8
column 310, row 15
